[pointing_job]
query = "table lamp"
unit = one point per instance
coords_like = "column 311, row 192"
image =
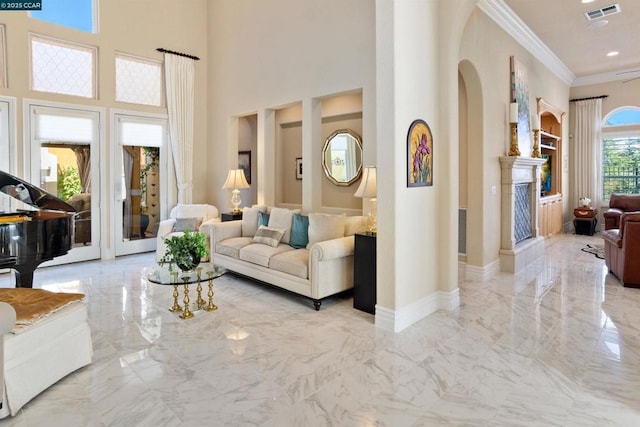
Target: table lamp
column 367, row 189
column 236, row 181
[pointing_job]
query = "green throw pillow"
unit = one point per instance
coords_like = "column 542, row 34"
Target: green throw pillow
column 299, row 231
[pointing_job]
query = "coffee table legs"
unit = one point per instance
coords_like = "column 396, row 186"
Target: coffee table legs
column 211, row 306
column 175, row 307
column 186, row 314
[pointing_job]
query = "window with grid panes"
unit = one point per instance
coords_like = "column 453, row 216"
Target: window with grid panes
column 621, row 152
column 138, row 80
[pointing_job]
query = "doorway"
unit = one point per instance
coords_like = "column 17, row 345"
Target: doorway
column 140, row 169
column 65, row 161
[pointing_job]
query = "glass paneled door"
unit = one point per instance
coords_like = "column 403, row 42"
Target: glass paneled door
column 141, row 175
column 5, row 157
column 65, row 162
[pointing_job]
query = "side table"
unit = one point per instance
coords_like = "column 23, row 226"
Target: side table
column 364, row 272
column 585, row 220
column 230, row 216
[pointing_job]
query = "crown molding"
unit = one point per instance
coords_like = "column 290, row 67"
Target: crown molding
column 608, row 77
column 516, row 28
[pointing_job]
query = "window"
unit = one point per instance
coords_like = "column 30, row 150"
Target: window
column 57, row 12
column 62, row 67
column 138, row 80
column 621, row 152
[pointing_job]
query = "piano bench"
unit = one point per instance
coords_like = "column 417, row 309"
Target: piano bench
column 44, row 349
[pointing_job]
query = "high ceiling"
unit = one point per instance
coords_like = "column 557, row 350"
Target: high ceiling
column 582, row 45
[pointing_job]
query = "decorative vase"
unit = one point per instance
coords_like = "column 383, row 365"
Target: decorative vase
column 192, row 263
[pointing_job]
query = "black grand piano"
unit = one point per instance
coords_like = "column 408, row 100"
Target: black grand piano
column 31, row 237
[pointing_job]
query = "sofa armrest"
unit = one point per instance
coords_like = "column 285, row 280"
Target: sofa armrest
column 225, row 230
column 206, row 226
column 626, row 218
column 7, row 318
column 612, row 235
column 165, row 227
column 612, row 212
column 332, row 249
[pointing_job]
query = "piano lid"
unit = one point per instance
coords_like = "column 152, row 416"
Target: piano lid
column 30, row 194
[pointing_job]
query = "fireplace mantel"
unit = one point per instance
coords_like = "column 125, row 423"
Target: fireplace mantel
column 520, row 179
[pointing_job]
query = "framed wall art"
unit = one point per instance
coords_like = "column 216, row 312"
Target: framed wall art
column 419, row 155
column 520, row 94
column 244, row 163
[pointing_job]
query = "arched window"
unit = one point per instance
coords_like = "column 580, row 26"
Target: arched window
column 621, row 152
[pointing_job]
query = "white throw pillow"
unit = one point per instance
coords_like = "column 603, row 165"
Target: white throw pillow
column 268, row 236
column 325, row 227
column 250, row 220
column 283, row 219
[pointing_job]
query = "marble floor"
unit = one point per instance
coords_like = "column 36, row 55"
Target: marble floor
column 558, row 344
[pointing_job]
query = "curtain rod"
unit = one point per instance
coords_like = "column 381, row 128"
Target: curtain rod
column 195, row 58
column 586, row 99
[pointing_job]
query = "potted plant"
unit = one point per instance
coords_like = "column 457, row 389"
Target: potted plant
column 186, row 250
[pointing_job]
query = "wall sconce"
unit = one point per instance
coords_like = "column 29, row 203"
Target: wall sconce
column 236, row 181
column 368, row 189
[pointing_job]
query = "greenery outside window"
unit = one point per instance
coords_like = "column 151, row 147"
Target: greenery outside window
column 621, row 152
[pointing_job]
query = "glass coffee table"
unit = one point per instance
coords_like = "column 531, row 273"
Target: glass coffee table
column 172, row 275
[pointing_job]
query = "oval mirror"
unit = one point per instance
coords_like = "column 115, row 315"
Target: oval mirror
column 342, row 157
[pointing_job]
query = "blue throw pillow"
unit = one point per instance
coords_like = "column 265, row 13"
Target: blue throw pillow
column 299, row 231
column 263, row 219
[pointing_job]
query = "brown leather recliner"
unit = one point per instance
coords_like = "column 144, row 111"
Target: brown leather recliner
column 622, row 249
column 618, row 204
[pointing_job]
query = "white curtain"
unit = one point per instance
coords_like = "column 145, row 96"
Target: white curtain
column 588, row 151
column 179, row 77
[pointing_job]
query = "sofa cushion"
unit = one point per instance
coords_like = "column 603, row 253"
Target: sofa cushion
column 268, row 236
column 257, row 253
column 250, row 220
column 231, row 247
column 187, row 224
column 283, row 219
column 263, row 219
column 295, row 263
column 299, row 231
column 325, row 227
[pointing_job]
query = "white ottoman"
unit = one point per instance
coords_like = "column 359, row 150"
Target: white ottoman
column 39, row 351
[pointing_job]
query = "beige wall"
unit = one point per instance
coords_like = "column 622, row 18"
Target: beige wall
column 135, row 28
column 488, row 48
column 277, row 54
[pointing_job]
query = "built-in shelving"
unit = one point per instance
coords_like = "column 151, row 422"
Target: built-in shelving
column 551, row 201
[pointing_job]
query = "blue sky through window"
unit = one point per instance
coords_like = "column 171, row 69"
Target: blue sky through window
column 76, row 14
column 627, row 116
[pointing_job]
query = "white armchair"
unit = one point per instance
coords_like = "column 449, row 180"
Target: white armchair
column 182, row 217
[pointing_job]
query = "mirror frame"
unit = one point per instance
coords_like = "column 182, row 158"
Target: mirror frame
column 327, row 143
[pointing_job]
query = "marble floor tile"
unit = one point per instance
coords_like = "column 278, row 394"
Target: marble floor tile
column 558, row 344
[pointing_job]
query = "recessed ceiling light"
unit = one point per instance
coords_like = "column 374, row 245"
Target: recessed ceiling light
column 588, row 1
column 613, row 53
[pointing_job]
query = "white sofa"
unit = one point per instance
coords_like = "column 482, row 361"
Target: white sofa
column 186, row 216
column 323, row 267
column 39, row 352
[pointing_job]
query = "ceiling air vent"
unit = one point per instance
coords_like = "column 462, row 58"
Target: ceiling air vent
column 605, row 11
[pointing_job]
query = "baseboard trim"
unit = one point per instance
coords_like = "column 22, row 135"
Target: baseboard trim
column 482, row 274
column 397, row 320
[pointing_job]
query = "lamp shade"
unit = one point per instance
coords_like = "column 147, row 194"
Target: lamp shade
column 235, row 180
column 368, row 185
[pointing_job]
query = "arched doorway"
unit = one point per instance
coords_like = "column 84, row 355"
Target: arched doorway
column 471, row 163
